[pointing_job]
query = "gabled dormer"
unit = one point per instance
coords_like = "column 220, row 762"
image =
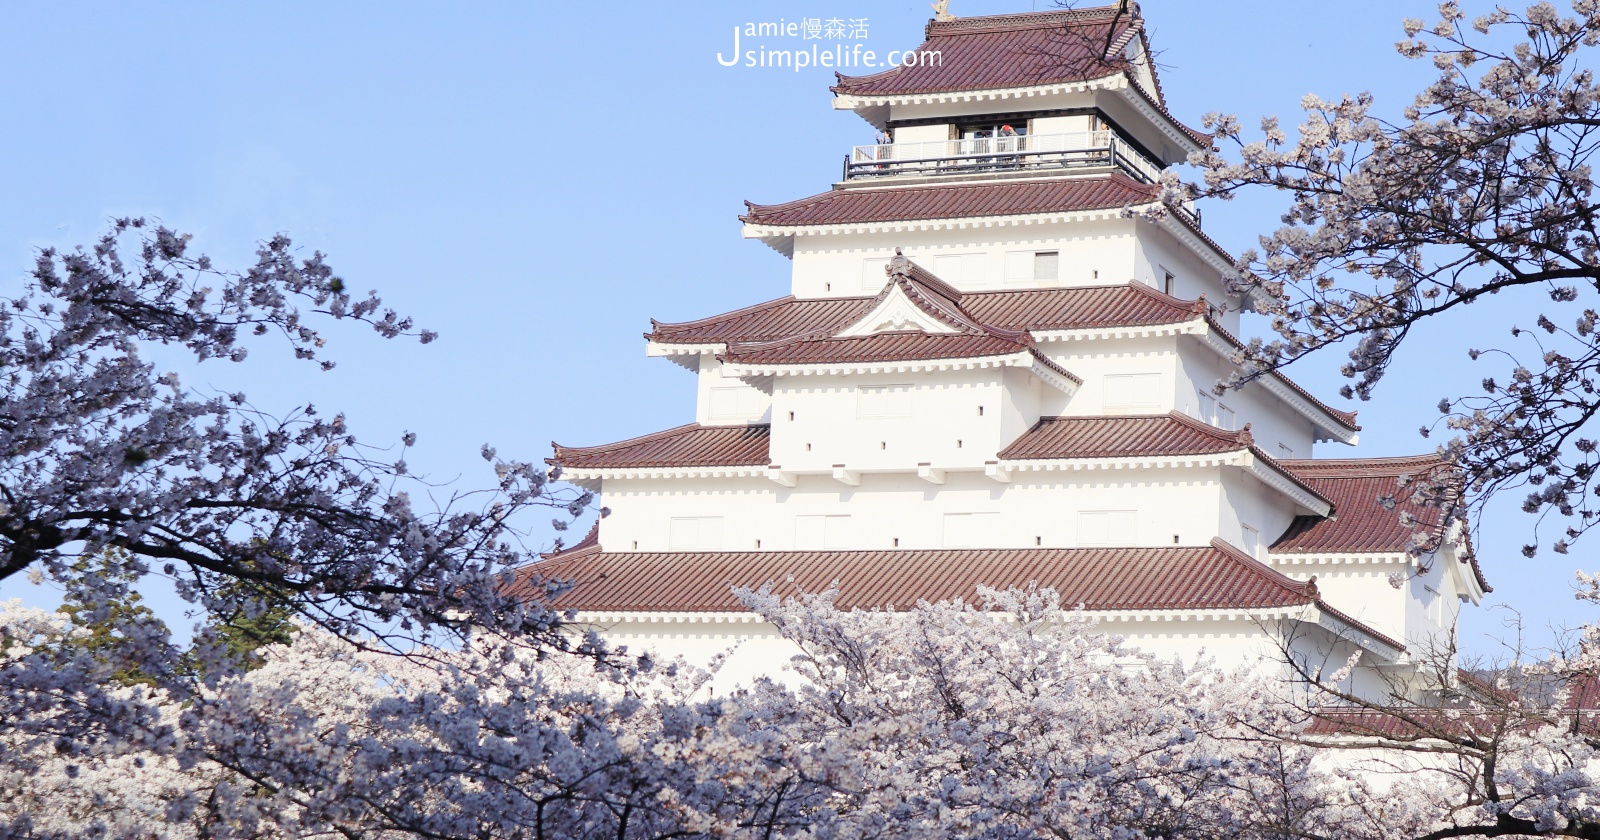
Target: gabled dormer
column 929, row 386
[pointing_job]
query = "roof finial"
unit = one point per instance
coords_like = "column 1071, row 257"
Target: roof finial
column 941, row 10
column 1200, row 307
column 899, row 266
column 1245, row 438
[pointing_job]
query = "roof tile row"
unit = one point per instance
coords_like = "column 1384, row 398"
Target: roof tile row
column 1209, row 577
column 1086, row 307
column 1006, row 51
column 691, row 445
column 952, row 201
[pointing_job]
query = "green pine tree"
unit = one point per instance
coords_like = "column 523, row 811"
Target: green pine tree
column 105, row 639
column 243, row 634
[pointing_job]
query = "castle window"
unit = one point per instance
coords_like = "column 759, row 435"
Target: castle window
column 1132, row 393
column 883, row 402
column 1251, row 539
column 964, row 271
column 873, row 277
column 695, row 533
column 735, row 403
column 1107, row 528
column 818, row 533
column 1046, row 266
column 969, row 530
column 1025, row 268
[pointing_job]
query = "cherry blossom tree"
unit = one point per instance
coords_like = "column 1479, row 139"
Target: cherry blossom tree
column 1483, row 189
column 112, row 471
column 1011, row 718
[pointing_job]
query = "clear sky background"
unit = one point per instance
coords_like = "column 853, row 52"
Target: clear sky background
column 537, row 180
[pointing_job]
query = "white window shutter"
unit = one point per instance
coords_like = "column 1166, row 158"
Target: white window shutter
column 1019, row 268
column 873, row 278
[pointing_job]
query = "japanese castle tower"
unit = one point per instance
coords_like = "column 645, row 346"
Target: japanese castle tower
column 995, row 367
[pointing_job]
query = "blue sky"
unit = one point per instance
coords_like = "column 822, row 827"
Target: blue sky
column 537, row 180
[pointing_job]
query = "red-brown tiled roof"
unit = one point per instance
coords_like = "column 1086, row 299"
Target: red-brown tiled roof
column 955, row 201
column 1133, row 436
column 1121, row 437
column 1021, row 50
column 691, row 445
column 1406, row 724
column 1131, row 304
column 970, row 338
column 590, row 540
column 1363, row 524
column 881, row 347
column 1126, row 305
column 1211, row 577
column 1006, row 51
column 785, row 317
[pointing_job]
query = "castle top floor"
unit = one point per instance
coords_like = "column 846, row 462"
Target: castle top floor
column 1060, row 92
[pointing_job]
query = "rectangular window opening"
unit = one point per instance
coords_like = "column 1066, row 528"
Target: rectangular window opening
column 1112, row 528
column 822, row 532
column 1132, row 393
column 969, row 530
column 883, row 402
column 1046, row 266
column 689, row 533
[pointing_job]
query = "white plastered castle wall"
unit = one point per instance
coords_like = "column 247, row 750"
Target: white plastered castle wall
column 723, row 400
column 947, row 418
column 1108, row 250
column 751, row 648
column 1093, row 253
column 983, row 107
column 899, row 510
column 1273, row 423
column 1094, row 361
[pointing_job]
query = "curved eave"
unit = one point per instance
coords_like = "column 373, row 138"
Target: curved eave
column 1333, row 426
column 1326, row 618
column 596, row 474
column 1345, row 627
column 1051, row 373
column 874, row 107
column 780, row 238
column 1249, row 459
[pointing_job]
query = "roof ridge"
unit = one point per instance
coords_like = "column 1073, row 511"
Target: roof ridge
column 1221, row 434
column 1027, row 20
column 1302, row 589
column 1278, row 467
column 589, row 544
column 1316, row 463
column 1360, row 625
column 821, row 197
column 1159, row 296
